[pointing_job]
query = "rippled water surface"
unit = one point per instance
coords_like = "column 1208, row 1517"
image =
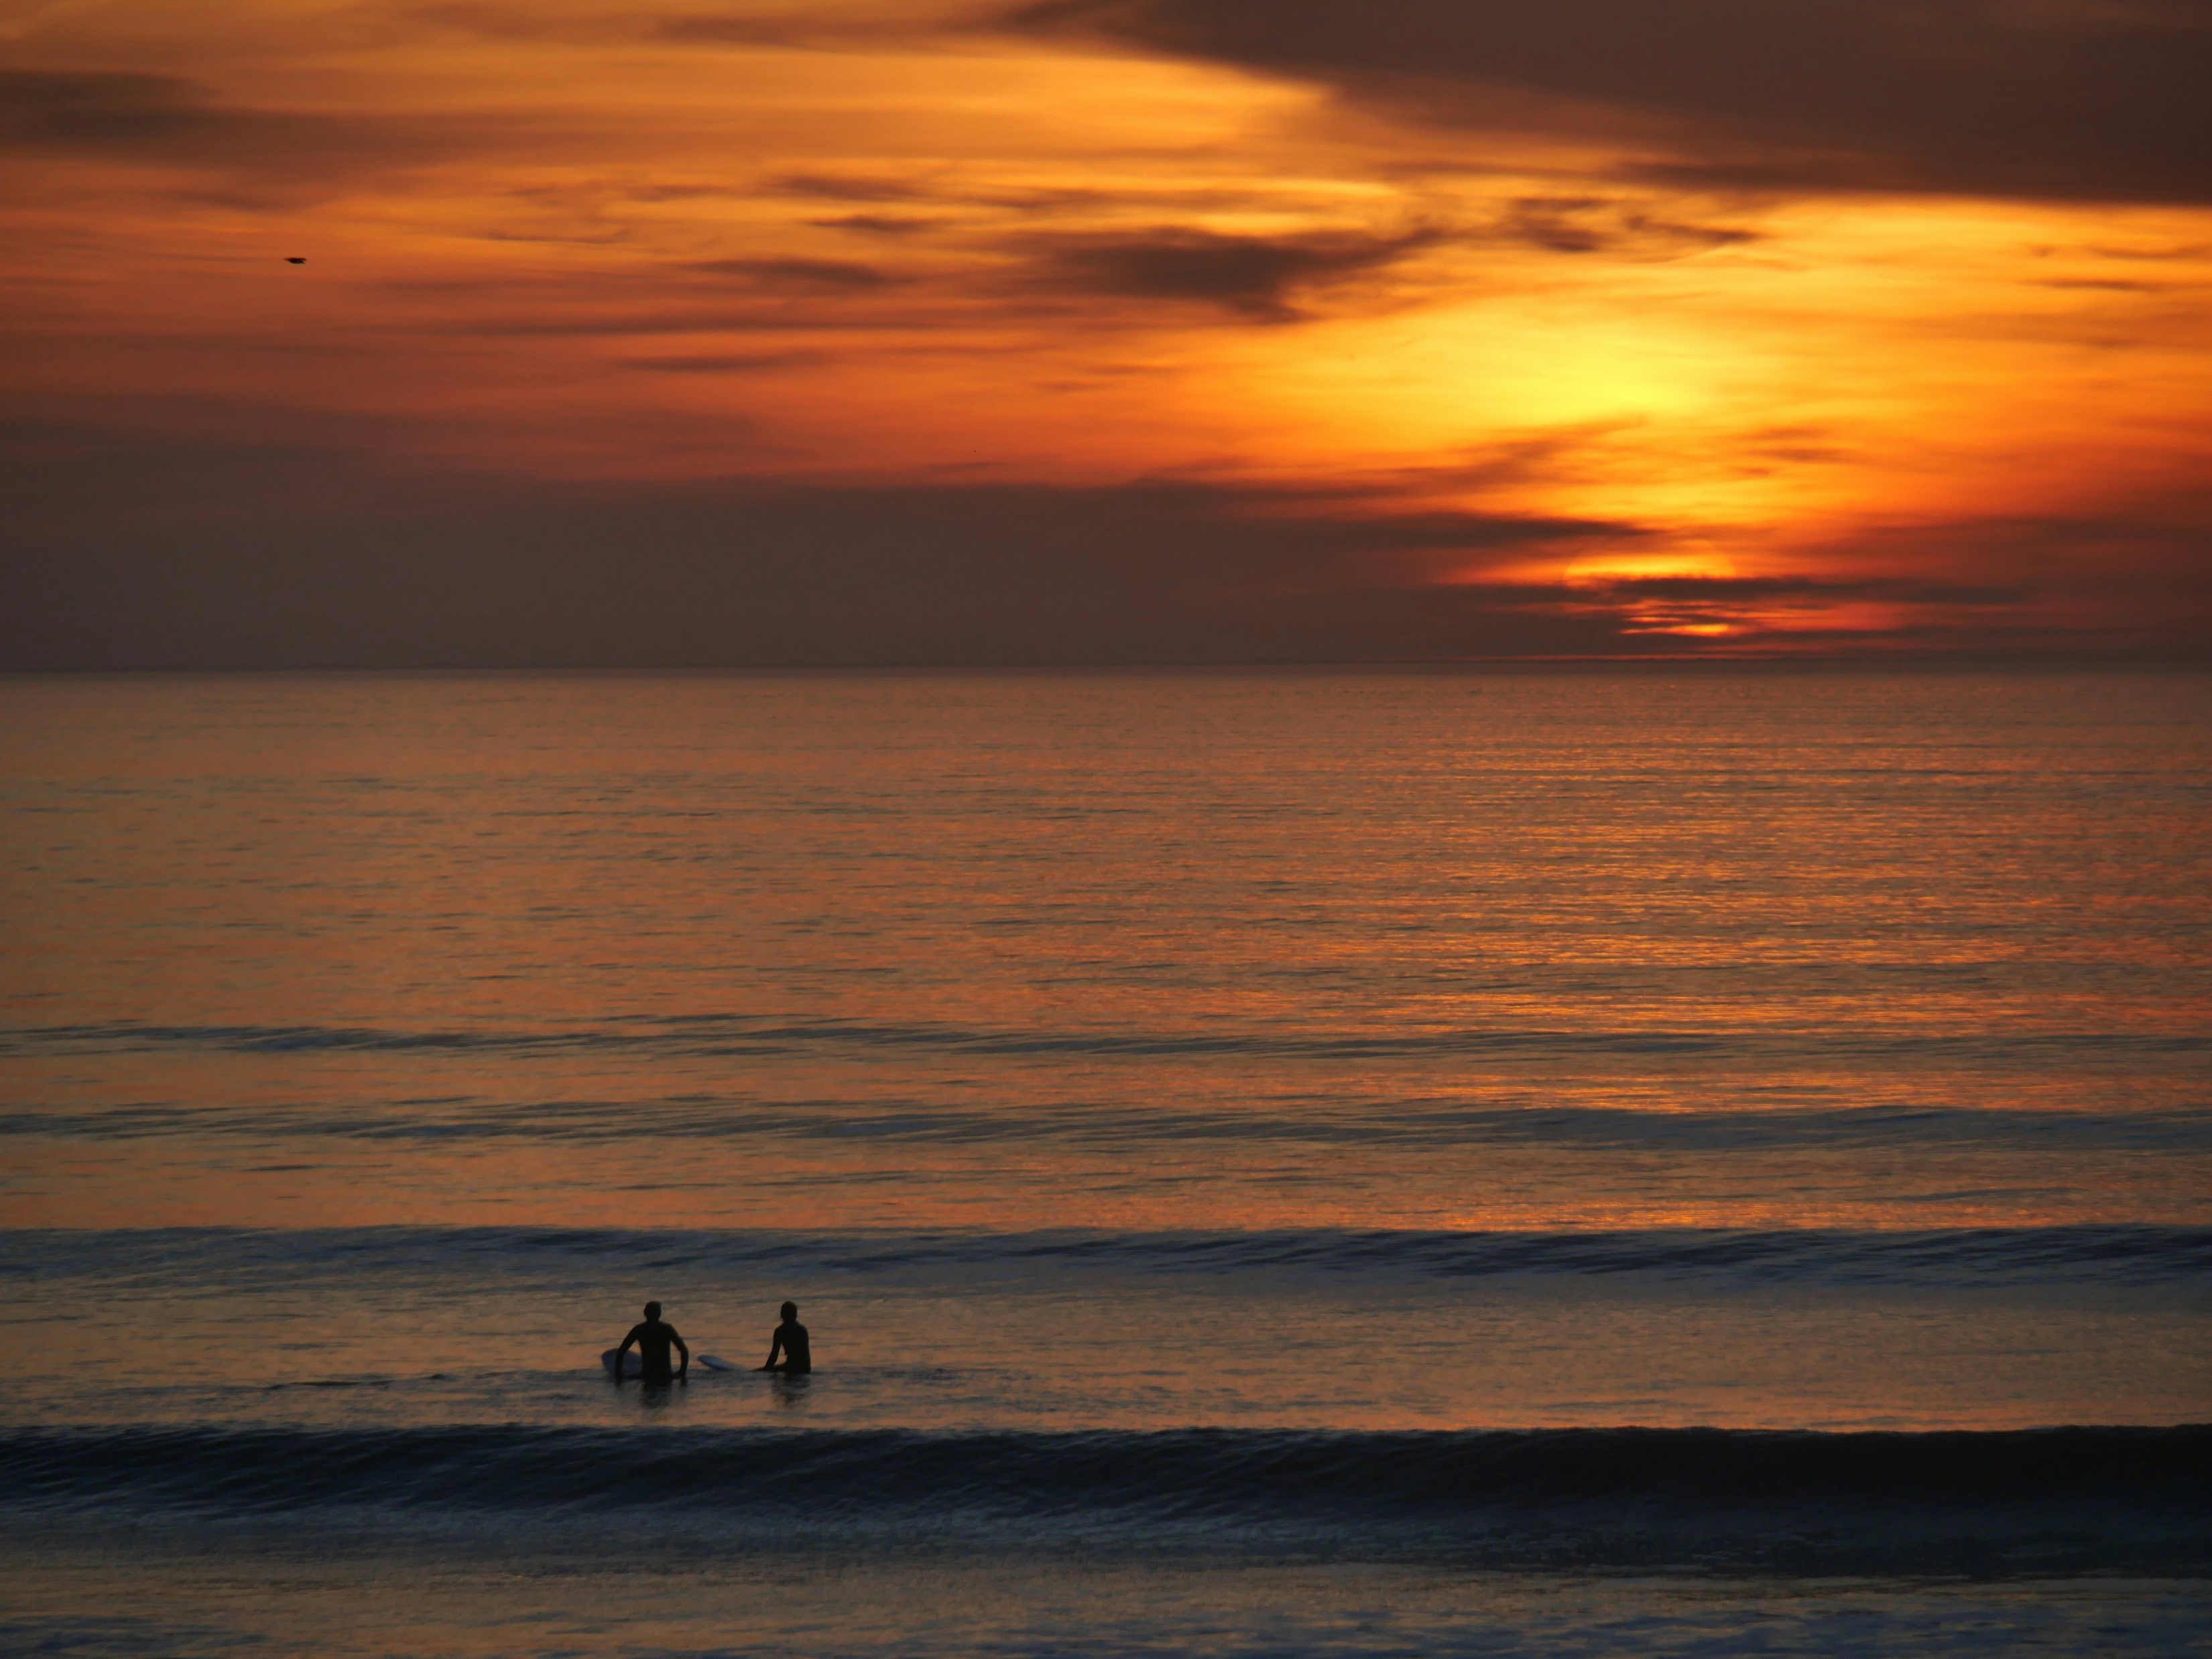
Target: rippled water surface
column 1302, row 1062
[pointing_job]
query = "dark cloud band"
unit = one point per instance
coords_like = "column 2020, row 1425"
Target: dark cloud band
column 2060, row 99
column 297, row 555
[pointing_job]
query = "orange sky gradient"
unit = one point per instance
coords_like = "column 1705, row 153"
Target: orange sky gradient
column 1188, row 330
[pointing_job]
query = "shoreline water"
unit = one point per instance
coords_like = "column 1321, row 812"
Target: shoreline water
column 1247, row 1147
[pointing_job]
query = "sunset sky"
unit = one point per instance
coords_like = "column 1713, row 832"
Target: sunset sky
column 1103, row 330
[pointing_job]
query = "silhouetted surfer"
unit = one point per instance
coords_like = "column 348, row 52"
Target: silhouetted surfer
column 654, row 1337
column 790, row 1341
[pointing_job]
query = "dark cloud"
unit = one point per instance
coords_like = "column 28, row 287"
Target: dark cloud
column 2181, row 250
column 946, row 189
column 1743, row 605
column 1751, row 590
column 2110, row 285
column 1582, row 224
column 2037, row 98
column 1805, row 446
column 305, row 551
column 2151, row 553
column 876, row 224
column 43, row 108
column 143, row 553
column 163, row 120
column 791, row 30
column 1254, row 276
column 840, row 187
column 2132, row 586
column 1266, row 278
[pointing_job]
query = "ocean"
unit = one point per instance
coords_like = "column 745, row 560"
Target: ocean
column 1683, row 1160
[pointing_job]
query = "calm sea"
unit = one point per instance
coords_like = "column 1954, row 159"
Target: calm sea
column 1689, row 1162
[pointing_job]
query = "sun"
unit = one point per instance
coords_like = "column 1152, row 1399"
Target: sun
column 1605, row 570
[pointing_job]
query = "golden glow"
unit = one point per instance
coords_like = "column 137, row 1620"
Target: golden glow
column 1633, row 567
column 881, row 241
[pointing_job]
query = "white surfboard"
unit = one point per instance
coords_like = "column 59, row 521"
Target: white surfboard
column 633, row 1364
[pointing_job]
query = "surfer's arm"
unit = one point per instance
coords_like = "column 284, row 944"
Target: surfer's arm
column 622, row 1354
column 684, row 1369
column 775, row 1348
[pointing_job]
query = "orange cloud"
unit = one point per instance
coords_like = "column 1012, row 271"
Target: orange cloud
column 1749, row 367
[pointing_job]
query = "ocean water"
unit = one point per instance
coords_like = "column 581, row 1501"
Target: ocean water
column 1645, row 1161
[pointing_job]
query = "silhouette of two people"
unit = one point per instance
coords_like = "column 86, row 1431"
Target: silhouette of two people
column 790, row 1342
column 653, row 1338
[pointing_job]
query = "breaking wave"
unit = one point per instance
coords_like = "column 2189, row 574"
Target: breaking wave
column 2040, row 1500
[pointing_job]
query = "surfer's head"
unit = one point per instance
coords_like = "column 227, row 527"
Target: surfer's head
column 791, row 1310
column 652, row 1311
